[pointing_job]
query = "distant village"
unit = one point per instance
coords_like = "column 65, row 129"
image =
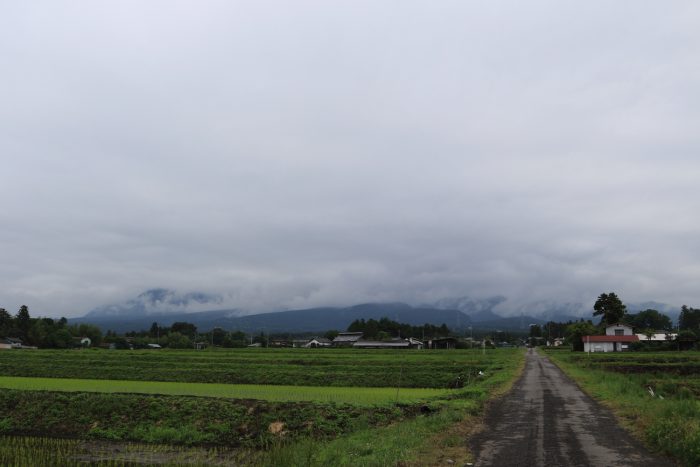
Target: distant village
column 617, row 331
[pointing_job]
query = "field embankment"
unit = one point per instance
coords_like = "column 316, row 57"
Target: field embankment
column 654, row 394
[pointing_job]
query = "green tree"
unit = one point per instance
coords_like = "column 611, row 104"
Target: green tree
column 62, row 339
column 574, row 334
column 235, row 339
column 649, row 319
column 261, row 339
column 87, row 330
column 535, row 330
column 686, row 339
column 331, row 334
column 188, row 329
column 176, row 340
column 217, row 336
column 23, row 322
column 5, row 323
column 610, row 307
column 40, row 332
column 689, row 319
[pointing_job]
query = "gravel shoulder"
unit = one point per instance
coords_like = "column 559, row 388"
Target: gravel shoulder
column 546, row 420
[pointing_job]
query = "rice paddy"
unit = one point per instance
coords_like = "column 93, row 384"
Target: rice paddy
column 238, row 406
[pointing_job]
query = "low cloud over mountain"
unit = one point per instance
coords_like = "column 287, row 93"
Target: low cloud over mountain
column 160, row 301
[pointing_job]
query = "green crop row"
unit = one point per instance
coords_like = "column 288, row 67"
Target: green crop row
column 345, row 395
column 308, row 367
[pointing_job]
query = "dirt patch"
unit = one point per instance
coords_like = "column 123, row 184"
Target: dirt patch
column 276, row 428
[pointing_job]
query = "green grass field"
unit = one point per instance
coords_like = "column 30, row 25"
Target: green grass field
column 668, row 421
column 341, row 395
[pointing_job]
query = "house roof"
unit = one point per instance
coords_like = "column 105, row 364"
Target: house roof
column 322, row 340
column 387, row 344
column 610, row 339
column 348, row 337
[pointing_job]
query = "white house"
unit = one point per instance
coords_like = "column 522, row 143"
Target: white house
column 616, row 339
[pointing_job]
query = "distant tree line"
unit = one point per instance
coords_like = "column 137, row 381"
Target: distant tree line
column 45, row 332
column 386, row 329
column 182, row 335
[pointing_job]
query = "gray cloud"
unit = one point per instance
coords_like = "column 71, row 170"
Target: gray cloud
column 285, row 155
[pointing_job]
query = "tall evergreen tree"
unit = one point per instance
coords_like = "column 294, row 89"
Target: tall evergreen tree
column 5, row 322
column 610, row 307
column 23, row 321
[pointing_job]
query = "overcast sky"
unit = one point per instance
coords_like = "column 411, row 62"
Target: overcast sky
column 288, row 154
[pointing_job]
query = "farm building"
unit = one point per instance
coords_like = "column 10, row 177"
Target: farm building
column 409, row 343
column 318, row 342
column 658, row 336
column 280, row 343
column 346, row 339
column 393, row 344
column 10, row 343
column 616, row 339
column 443, row 343
column 415, row 343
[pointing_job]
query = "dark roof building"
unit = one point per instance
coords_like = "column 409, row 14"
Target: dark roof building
column 346, row 339
column 394, row 344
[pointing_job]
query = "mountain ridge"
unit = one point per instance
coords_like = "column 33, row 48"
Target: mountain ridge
column 165, row 307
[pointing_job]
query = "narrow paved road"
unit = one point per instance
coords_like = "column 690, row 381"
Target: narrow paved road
column 546, row 420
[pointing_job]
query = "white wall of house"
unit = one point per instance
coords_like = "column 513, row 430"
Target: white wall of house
column 618, row 330
column 659, row 337
column 597, row 346
column 604, row 346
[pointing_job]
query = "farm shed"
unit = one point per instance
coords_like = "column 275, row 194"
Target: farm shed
column 281, row 343
column 415, row 343
column 346, row 339
column 443, row 343
column 318, row 342
column 10, row 343
column 658, row 336
column 607, row 343
column 395, row 344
